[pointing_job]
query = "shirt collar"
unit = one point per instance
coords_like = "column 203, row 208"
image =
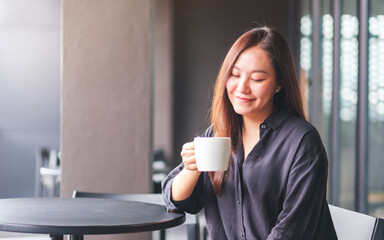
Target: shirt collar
column 278, row 117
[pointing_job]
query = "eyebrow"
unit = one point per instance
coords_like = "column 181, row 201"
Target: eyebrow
column 254, row 71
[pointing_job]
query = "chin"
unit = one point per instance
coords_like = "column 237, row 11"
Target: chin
column 242, row 111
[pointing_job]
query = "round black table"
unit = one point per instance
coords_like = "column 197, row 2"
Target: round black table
column 83, row 216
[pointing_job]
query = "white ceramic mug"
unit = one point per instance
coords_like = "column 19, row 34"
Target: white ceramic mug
column 212, row 153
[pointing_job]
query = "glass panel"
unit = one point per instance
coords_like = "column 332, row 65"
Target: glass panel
column 326, row 65
column 376, row 109
column 326, row 74
column 348, row 101
column 325, row 86
column 29, row 90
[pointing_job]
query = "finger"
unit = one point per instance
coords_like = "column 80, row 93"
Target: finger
column 189, row 146
column 189, row 160
column 187, row 153
column 192, row 167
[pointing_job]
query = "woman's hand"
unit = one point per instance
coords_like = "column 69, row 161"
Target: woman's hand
column 188, row 155
column 184, row 183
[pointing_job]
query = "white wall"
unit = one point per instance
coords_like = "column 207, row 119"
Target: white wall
column 29, row 89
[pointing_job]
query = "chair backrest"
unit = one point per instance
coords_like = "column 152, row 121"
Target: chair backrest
column 48, row 173
column 350, row 225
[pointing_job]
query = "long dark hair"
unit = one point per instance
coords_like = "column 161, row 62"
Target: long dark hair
column 226, row 122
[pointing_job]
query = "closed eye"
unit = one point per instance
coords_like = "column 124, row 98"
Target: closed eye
column 258, row 80
column 234, row 75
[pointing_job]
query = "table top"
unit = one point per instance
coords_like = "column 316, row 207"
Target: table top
column 83, row 216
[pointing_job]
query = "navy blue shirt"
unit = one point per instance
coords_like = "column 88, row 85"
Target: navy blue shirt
column 278, row 192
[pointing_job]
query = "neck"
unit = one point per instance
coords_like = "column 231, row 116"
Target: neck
column 251, row 125
column 251, row 134
column 253, row 122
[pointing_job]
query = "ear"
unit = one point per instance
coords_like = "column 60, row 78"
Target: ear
column 278, row 88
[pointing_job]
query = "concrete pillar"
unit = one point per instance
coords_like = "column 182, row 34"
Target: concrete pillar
column 163, row 78
column 106, row 98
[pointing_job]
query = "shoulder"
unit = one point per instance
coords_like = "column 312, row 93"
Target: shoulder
column 304, row 138
column 303, row 144
column 300, row 135
column 298, row 126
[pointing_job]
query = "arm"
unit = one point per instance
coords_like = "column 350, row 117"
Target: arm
column 182, row 188
column 305, row 192
column 184, row 183
column 179, row 188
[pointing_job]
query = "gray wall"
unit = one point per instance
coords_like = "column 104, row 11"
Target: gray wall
column 203, row 33
column 29, row 89
column 106, row 98
column 163, row 77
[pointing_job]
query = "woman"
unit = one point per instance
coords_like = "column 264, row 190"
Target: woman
column 275, row 186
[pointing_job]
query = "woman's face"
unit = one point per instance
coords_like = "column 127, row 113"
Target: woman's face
column 252, row 84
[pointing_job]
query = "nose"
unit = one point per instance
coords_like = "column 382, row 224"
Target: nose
column 243, row 85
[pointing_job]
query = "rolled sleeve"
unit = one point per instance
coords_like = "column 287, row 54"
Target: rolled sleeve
column 166, row 186
column 193, row 204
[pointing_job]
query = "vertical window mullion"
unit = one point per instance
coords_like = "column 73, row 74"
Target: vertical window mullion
column 316, row 47
column 361, row 190
column 335, row 119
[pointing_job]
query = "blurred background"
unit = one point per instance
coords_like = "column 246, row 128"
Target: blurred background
column 338, row 48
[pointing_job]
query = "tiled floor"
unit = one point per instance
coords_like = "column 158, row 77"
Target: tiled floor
column 21, row 236
column 177, row 233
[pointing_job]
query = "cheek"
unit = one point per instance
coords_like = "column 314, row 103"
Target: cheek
column 263, row 91
column 230, row 86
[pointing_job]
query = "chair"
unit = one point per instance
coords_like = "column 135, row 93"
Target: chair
column 350, row 225
column 48, row 173
column 192, row 221
column 159, row 169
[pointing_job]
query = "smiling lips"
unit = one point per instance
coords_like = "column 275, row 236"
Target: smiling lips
column 244, row 100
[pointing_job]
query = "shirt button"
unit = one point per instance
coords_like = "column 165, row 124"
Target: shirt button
column 263, row 126
column 238, row 202
column 241, row 234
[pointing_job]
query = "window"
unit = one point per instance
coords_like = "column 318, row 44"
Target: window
column 333, row 78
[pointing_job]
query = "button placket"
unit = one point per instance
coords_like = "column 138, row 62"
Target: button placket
column 263, row 128
column 239, row 202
